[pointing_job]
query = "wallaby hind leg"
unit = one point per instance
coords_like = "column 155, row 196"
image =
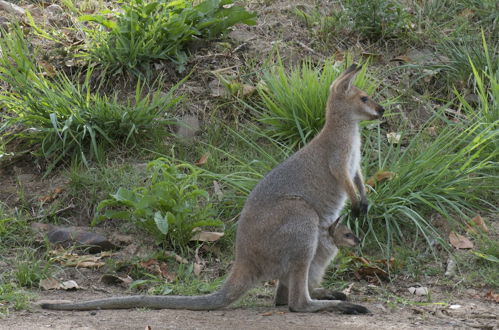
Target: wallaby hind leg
column 300, row 301
column 299, row 297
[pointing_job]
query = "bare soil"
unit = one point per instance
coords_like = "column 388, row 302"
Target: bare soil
column 468, row 314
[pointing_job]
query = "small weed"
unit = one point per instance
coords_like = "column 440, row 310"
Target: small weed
column 378, row 19
column 170, row 207
column 12, row 298
column 30, row 269
column 148, row 31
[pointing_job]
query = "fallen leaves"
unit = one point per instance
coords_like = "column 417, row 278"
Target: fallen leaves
column 207, row 236
column 459, row 241
column 53, row 284
column 393, row 137
column 70, row 259
column 374, row 271
column 380, row 176
column 492, row 296
column 159, row 268
column 52, row 196
column 203, row 160
column 477, row 223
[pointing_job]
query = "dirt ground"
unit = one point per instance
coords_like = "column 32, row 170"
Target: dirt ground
column 461, row 313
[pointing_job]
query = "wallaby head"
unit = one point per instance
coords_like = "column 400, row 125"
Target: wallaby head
column 350, row 102
column 342, row 236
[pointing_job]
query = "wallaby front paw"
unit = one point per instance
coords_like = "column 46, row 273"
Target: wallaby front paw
column 348, row 308
column 359, row 209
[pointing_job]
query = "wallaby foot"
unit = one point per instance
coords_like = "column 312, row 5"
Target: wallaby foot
column 349, row 308
column 300, row 301
column 326, row 294
column 281, row 297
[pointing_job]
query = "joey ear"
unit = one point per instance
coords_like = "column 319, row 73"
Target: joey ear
column 343, row 83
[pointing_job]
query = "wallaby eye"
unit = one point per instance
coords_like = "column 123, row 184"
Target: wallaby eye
column 348, row 235
column 364, row 99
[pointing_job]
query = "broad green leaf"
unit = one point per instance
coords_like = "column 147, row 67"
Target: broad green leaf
column 161, row 223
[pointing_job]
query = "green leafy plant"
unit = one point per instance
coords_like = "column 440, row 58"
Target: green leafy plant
column 65, row 119
column 378, row 19
column 293, row 104
column 147, row 31
column 169, row 208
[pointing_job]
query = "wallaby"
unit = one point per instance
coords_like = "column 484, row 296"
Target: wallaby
column 279, row 228
column 337, row 235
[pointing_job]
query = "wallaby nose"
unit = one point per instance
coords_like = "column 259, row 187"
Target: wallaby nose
column 380, row 110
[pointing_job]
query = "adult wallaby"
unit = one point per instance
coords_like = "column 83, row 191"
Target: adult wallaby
column 337, row 235
column 279, row 228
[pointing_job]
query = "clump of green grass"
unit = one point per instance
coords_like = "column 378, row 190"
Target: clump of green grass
column 378, row 19
column 12, row 297
column 293, row 103
column 66, row 120
column 453, row 174
column 147, row 31
column 459, row 51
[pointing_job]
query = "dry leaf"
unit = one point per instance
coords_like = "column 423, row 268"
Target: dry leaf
column 246, row 90
column 69, row 285
column 203, row 159
column 492, row 296
column 50, row 197
column 393, row 137
column 207, row 236
column 177, row 257
column 459, row 241
column 267, row 314
column 402, row 59
column 380, row 176
column 467, row 13
column 90, row 264
column 50, row 284
column 348, row 289
column 197, row 268
column 478, row 221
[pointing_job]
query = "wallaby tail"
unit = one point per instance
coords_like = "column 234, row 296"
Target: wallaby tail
column 234, row 287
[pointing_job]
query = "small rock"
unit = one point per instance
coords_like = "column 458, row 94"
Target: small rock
column 54, row 10
column 54, row 13
column 11, row 8
column 187, row 127
column 418, row 291
column 451, row 267
column 122, row 239
column 73, row 237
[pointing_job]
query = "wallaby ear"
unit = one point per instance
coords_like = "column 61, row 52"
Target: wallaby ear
column 343, row 83
column 335, row 225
